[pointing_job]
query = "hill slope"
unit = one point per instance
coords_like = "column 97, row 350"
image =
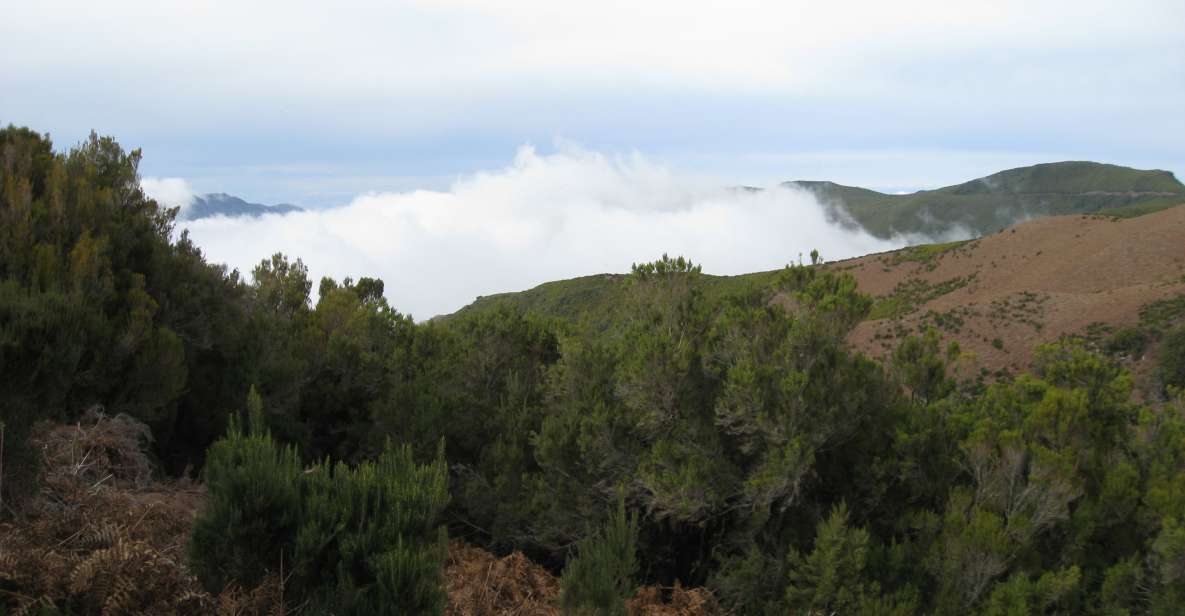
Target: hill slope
column 998, row 296
column 596, row 298
column 1003, row 294
column 988, row 204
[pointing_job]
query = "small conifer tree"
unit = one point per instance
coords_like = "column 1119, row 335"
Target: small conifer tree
column 600, row 578
column 253, row 508
column 359, row 540
column 369, row 540
column 830, row 578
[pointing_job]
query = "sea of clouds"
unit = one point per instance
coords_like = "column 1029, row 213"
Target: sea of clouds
column 543, row 217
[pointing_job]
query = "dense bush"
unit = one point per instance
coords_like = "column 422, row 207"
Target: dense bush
column 369, row 540
column 98, row 304
column 1172, row 358
column 253, row 508
column 353, row 540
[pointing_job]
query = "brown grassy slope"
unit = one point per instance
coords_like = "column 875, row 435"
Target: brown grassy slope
column 1026, row 285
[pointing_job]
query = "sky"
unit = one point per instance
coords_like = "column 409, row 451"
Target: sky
column 365, row 107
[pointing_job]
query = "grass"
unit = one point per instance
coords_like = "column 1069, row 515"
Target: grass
column 1130, row 341
column 989, row 204
column 926, row 254
column 597, row 299
column 1023, row 307
column 911, row 293
column 1161, row 314
column 951, row 321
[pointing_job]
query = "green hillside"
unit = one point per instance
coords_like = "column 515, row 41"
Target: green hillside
column 596, row 299
column 988, row 204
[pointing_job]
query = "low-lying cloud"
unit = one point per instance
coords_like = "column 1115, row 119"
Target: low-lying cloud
column 170, row 192
column 543, row 217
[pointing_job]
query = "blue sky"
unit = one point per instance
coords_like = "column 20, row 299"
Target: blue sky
column 315, row 104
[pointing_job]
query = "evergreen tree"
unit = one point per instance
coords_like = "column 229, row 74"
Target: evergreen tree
column 253, row 508
column 600, row 577
column 369, row 540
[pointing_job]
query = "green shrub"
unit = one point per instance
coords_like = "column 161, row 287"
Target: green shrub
column 253, row 505
column 363, row 540
column 1127, row 341
column 599, row 578
column 1172, row 358
column 368, row 541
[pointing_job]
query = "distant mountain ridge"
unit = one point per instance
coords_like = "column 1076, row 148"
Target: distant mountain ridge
column 222, row 204
column 988, row 204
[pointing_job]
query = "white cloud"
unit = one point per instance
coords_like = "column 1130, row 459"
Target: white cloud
column 170, row 192
column 422, row 67
column 543, row 217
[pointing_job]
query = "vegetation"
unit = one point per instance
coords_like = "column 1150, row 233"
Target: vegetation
column 597, row 300
column 1161, row 326
column 913, row 292
column 254, row 506
column 361, row 540
column 989, row 204
column 925, row 254
column 1172, row 360
column 705, row 432
column 599, row 578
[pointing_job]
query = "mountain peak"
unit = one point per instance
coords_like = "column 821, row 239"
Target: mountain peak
column 210, row 205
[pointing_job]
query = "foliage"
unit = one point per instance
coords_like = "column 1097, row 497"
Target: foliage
column 926, row 254
column 361, row 540
column 832, row 578
column 756, row 452
column 1172, row 358
column 1159, row 315
column 913, row 292
column 253, row 511
column 600, row 577
column 368, row 540
column 98, row 305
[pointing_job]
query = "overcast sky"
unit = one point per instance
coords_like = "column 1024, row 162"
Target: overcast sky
column 316, row 102
column 321, row 104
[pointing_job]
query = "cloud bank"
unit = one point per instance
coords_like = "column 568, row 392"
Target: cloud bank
column 170, row 192
column 541, row 218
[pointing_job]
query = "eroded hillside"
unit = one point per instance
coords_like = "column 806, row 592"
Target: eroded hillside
column 1003, row 294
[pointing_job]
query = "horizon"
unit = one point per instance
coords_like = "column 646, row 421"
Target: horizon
column 534, row 142
column 892, row 191
column 294, row 102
